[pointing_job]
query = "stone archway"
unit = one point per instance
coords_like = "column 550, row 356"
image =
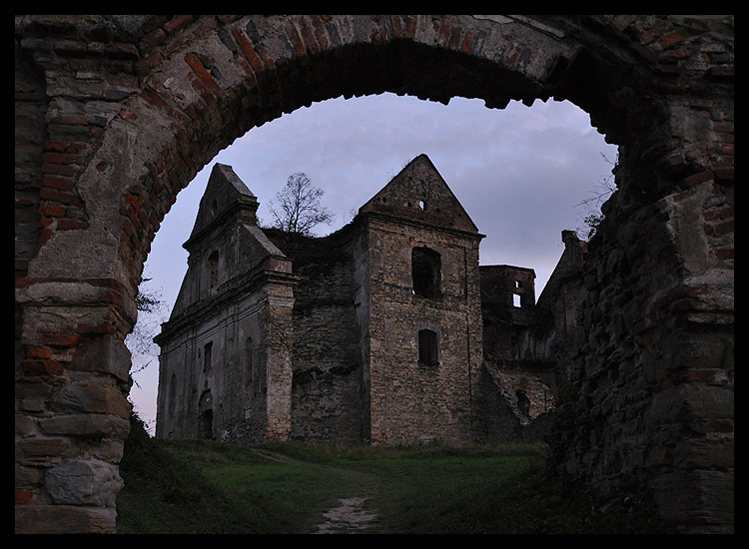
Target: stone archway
column 115, row 114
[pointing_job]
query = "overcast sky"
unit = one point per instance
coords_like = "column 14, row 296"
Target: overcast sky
column 521, row 173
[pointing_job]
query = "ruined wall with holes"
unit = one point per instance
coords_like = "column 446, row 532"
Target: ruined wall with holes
column 115, row 114
column 329, row 391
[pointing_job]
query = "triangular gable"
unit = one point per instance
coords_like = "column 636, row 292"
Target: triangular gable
column 225, row 190
column 227, row 200
column 420, row 193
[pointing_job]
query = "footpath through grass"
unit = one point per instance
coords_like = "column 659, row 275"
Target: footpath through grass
column 286, row 488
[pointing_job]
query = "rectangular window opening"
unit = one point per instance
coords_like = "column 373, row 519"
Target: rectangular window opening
column 428, row 349
column 426, row 275
column 208, row 357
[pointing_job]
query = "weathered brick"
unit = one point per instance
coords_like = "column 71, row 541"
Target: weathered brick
column 71, row 224
column 203, row 74
column 52, row 210
column 59, row 158
column 41, row 447
column 42, row 368
column 59, row 183
column 23, row 497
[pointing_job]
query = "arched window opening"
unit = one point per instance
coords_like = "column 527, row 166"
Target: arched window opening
column 426, row 272
column 205, row 425
column 208, row 357
column 428, row 348
column 213, row 269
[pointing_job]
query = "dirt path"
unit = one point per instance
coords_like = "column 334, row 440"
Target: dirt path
column 348, row 518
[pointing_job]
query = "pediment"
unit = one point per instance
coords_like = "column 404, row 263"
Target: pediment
column 420, row 193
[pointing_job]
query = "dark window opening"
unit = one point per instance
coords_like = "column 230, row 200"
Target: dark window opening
column 428, row 348
column 426, row 267
column 205, row 425
column 524, row 403
column 213, row 269
column 205, row 417
column 208, row 357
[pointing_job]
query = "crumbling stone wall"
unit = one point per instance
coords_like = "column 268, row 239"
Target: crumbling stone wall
column 517, row 385
column 652, row 361
column 327, row 393
column 414, row 400
column 115, row 114
column 420, row 278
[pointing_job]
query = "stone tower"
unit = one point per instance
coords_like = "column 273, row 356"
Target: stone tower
column 420, row 308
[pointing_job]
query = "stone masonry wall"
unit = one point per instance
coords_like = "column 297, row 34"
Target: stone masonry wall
column 413, row 402
column 327, row 391
column 649, row 387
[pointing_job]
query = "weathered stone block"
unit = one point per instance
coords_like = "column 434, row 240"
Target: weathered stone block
column 41, row 447
column 64, row 519
column 86, row 425
column 80, row 482
column 701, row 500
column 104, row 354
column 91, row 397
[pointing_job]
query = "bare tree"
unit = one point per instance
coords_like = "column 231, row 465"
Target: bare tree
column 604, row 189
column 151, row 310
column 297, row 207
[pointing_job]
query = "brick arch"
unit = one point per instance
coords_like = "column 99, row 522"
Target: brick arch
column 118, row 113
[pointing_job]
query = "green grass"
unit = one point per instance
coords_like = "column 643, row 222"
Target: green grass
column 284, row 488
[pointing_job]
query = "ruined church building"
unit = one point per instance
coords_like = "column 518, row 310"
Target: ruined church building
column 386, row 331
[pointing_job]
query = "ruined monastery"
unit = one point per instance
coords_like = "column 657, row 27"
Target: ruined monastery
column 385, row 332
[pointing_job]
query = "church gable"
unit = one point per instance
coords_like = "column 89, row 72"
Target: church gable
column 226, row 242
column 420, row 193
column 224, row 193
